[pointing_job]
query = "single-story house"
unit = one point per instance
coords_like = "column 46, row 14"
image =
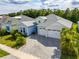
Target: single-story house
column 3, row 20
column 48, row 26
column 51, row 25
column 22, row 23
column 11, row 24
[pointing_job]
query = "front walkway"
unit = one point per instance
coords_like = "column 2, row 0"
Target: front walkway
column 17, row 53
column 45, row 48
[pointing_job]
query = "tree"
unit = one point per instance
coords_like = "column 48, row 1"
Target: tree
column 67, row 14
column 69, row 43
column 75, row 16
column 58, row 12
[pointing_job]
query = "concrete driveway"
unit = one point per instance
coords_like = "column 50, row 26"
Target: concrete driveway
column 45, row 48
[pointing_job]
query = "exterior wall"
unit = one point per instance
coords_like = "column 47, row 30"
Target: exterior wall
column 31, row 29
column 48, row 33
column 4, row 26
column 20, row 28
column 42, row 32
column 28, row 30
column 54, row 34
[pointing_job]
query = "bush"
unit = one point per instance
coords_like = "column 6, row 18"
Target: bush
column 20, row 41
column 69, row 42
column 10, row 41
column 3, row 32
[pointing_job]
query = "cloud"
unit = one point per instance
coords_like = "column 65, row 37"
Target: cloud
column 7, row 6
column 16, row 1
column 61, row 4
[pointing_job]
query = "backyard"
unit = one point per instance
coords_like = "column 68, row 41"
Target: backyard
column 13, row 39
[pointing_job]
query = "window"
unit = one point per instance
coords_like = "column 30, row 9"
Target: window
column 8, row 28
column 39, row 21
column 20, row 29
column 24, row 30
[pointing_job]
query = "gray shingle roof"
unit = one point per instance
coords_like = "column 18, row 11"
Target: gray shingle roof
column 55, row 22
column 56, row 26
column 51, row 19
column 17, row 19
column 23, row 18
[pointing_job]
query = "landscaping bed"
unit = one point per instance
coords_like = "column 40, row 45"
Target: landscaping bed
column 13, row 39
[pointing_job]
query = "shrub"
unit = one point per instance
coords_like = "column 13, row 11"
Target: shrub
column 69, row 42
column 20, row 41
column 3, row 32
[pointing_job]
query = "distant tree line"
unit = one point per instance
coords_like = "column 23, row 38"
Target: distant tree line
column 72, row 15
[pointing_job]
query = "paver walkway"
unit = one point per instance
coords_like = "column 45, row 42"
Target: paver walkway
column 45, row 48
column 17, row 53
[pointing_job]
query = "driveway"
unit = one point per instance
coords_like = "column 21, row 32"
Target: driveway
column 45, row 48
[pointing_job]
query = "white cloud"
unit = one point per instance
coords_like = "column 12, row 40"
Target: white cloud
column 36, row 4
column 59, row 3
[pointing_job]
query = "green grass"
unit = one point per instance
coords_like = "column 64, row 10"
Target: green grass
column 3, row 53
column 9, row 41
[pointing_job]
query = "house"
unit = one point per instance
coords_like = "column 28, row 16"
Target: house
column 3, row 20
column 11, row 24
column 48, row 26
column 51, row 25
column 22, row 23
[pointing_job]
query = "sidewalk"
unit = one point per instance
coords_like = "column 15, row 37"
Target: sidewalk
column 17, row 53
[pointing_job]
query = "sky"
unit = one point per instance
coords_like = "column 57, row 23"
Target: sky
column 9, row 6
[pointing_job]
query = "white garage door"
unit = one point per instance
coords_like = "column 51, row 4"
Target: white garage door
column 51, row 34
column 54, row 34
column 42, row 32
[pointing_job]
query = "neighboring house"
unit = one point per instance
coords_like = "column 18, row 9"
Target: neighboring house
column 23, row 24
column 51, row 25
column 11, row 24
column 3, row 20
column 0, row 22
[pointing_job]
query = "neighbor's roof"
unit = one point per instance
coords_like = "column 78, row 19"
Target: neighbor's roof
column 17, row 17
column 23, row 18
column 56, row 21
column 42, row 17
column 29, row 23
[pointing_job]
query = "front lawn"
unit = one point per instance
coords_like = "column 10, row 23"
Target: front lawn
column 13, row 39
